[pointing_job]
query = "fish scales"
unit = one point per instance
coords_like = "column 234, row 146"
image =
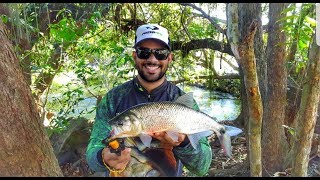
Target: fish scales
column 163, row 116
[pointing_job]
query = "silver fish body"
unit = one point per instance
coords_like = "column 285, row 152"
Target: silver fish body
column 172, row 117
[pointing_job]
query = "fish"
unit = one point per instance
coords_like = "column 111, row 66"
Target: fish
column 173, row 118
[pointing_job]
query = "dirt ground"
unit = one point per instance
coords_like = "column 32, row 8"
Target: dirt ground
column 221, row 166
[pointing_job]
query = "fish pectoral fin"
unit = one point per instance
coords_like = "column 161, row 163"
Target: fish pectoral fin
column 233, row 131
column 195, row 138
column 145, row 139
column 173, row 135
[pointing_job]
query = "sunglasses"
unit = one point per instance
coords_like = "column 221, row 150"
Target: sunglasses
column 145, row 53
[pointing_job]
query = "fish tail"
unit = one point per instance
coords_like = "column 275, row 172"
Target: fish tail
column 225, row 142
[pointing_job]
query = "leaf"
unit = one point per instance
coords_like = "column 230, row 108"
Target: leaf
column 4, row 18
column 97, row 14
column 302, row 44
column 288, row 17
column 291, row 8
column 291, row 130
column 311, row 21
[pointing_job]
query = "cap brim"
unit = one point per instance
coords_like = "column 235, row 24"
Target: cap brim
column 161, row 42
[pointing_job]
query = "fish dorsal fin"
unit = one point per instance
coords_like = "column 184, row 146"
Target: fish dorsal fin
column 186, row 99
column 145, row 139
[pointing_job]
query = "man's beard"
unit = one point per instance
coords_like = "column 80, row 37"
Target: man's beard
column 144, row 77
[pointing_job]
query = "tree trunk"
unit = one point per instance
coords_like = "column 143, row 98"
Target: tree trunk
column 247, row 59
column 273, row 138
column 242, row 44
column 306, row 118
column 25, row 149
column 248, row 12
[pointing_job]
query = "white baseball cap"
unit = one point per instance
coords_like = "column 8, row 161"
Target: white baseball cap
column 152, row 31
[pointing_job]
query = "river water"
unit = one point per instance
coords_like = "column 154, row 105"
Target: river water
column 222, row 106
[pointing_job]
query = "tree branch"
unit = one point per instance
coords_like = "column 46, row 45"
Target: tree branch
column 214, row 18
column 182, row 23
column 205, row 15
column 230, row 64
column 200, row 44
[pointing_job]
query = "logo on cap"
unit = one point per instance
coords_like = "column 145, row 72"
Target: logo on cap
column 154, row 28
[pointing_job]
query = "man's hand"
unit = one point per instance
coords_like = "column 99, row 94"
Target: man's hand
column 115, row 161
column 167, row 140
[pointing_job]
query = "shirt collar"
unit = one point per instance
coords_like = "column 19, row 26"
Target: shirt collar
column 140, row 88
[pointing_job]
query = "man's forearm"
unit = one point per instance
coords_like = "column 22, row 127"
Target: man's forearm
column 197, row 161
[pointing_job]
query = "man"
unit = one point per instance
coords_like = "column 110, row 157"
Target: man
column 152, row 57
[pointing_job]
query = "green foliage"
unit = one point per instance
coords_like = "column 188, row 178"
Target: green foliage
column 4, row 18
column 200, row 31
column 40, row 55
column 226, row 85
column 73, row 102
column 65, row 30
column 299, row 32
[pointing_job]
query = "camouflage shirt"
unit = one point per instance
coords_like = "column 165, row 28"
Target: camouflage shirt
column 167, row 163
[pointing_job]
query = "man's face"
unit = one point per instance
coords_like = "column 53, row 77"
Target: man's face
column 151, row 69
